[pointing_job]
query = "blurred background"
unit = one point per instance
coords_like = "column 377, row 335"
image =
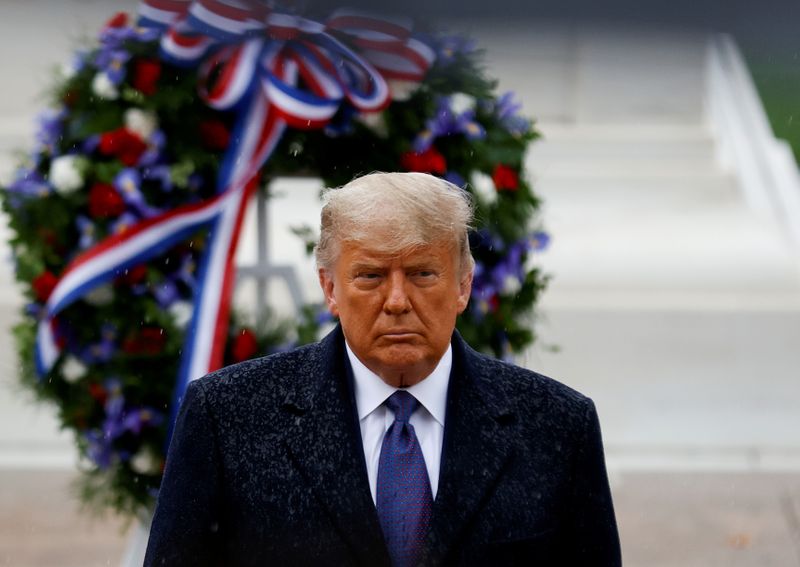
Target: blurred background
column 674, row 303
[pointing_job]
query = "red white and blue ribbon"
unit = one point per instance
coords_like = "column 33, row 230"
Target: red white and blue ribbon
column 274, row 70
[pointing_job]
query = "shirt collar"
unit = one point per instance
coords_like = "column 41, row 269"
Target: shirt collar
column 371, row 391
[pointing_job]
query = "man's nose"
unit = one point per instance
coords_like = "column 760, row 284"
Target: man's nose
column 397, row 300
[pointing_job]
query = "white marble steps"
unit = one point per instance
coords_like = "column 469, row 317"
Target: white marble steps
column 623, row 151
column 683, row 388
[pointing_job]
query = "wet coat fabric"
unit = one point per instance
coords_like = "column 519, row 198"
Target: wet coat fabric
column 266, row 468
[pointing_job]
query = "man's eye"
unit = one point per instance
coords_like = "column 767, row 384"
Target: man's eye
column 425, row 274
column 368, row 275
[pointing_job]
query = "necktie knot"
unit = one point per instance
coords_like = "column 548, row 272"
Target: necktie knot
column 402, row 405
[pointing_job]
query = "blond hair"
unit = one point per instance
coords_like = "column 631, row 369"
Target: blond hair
column 395, row 213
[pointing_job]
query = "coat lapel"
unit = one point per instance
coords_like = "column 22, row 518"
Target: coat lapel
column 477, row 444
column 325, row 443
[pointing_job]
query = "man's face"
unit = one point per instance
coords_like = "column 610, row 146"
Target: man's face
column 397, row 312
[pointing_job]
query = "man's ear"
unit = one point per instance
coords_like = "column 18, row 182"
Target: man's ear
column 464, row 291
column 326, row 283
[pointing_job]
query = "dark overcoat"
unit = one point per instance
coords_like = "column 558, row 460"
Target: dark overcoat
column 266, row 467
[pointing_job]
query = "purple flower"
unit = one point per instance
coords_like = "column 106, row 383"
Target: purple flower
column 451, row 46
column 187, row 270
column 112, row 61
column 33, row 309
column 104, row 350
column 78, row 61
column 166, row 292
column 50, row 131
column 483, row 291
column 114, row 37
column 90, row 144
column 154, row 147
column 323, row 316
column 119, row 420
column 447, row 122
column 128, row 182
column 88, row 231
column 506, row 109
column 158, row 173
column 27, row 184
column 99, row 449
column 538, row 241
column 137, row 419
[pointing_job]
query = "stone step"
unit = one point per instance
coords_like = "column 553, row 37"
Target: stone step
column 602, row 151
column 631, row 167
column 597, row 75
column 594, row 150
column 619, row 195
column 595, row 142
column 682, row 381
column 710, row 248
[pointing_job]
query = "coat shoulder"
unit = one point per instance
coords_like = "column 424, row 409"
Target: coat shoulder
column 276, row 377
column 530, row 391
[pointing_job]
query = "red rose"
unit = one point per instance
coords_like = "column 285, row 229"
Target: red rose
column 505, row 178
column 132, row 276
column 125, row 145
column 97, row 392
column 118, row 20
column 105, row 201
column 214, row 134
column 429, row 161
column 43, row 285
column 245, row 345
column 149, row 341
column 145, row 75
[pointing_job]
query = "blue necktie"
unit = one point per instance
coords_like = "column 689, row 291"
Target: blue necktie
column 404, row 498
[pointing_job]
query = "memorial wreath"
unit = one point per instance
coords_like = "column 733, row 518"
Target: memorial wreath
column 126, row 215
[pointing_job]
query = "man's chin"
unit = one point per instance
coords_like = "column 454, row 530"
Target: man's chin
column 402, row 364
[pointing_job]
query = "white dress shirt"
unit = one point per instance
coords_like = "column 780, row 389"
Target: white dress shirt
column 375, row 418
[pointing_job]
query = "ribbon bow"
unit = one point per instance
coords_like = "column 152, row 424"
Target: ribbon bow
column 258, row 59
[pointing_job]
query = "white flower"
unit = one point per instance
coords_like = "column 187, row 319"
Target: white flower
column 460, row 103
column 511, row 285
column 145, row 461
column 181, row 312
column 67, row 71
column 484, row 188
column 73, row 369
column 375, row 121
column 401, row 90
column 141, row 122
column 65, row 175
column 99, row 296
column 103, row 87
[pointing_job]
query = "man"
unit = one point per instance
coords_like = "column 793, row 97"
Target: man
column 390, row 442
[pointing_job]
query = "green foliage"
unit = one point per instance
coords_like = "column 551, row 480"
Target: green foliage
column 778, row 81
column 113, row 384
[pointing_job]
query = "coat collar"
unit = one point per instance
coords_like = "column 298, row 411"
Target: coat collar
column 477, row 445
column 324, row 441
